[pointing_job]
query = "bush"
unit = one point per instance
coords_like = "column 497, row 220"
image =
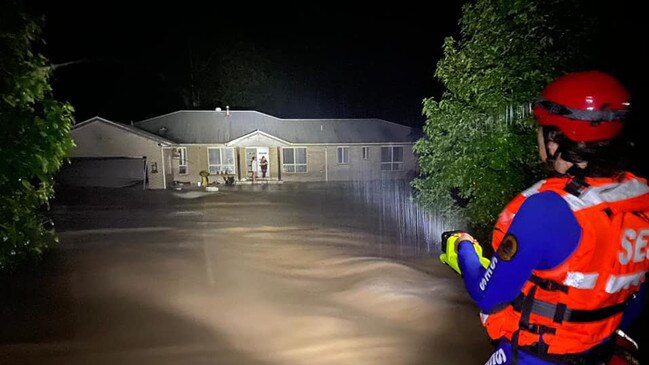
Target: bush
column 34, row 142
column 479, row 141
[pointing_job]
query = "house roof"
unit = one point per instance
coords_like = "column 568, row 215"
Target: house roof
column 135, row 130
column 218, row 127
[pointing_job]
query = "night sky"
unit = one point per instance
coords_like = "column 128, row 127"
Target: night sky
column 328, row 60
column 325, row 59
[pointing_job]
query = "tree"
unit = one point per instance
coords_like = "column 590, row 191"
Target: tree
column 479, row 139
column 34, row 142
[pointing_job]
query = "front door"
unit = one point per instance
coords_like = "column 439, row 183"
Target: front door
column 258, row 153
column 264, row 162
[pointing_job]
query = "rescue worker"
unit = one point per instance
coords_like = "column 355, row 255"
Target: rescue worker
column 571, row 251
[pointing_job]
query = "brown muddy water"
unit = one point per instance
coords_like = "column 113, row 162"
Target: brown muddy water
column 291, row 274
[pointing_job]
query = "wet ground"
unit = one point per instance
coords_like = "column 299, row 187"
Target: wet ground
column 285, row 274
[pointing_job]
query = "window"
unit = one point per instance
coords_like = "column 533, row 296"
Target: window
column 294, row 159
column 220, row 160
column 391, row 158
column 343, row 155
column 366, row 153
column 182, row 161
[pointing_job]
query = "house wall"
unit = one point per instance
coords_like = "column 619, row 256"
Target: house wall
column 322, row 164
column 193, row 165
column 274, row 164
column 168, row 170
column 315, row 159
column 101, row 139
column 197, row 161
column 242, row 164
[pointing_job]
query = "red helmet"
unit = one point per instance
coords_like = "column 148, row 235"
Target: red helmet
column 585, row 106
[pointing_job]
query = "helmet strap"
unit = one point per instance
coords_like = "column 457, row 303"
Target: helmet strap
column 576, row 171
column 552, row 156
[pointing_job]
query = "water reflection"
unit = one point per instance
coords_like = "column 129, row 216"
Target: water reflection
column 399, row 215
column 293, row 274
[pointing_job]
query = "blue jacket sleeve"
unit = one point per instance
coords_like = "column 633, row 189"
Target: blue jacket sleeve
column 546, row 233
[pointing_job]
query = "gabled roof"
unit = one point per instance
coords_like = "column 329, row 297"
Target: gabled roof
column 257, row 134
column 221, row 127
column 129, row 128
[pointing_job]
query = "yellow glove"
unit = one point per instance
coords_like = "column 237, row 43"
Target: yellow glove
column 450, row 256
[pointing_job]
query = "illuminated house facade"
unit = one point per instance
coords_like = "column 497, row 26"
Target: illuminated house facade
column 174, row 148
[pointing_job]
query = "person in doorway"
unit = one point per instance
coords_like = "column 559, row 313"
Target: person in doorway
column 253, row 168
column 570, row 252
column 263, row 163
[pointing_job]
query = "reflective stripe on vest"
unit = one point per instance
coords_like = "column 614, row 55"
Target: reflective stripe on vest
column 581, row 280
column 616, row 283
column 597, row 194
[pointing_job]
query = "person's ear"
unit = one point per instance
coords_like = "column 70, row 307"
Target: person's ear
column 543, row 154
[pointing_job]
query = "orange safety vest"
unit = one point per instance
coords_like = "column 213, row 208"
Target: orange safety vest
column 578, row 304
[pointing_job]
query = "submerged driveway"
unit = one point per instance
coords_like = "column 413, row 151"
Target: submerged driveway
column 292, row 274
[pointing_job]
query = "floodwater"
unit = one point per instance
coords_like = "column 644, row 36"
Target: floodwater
column 311, row 274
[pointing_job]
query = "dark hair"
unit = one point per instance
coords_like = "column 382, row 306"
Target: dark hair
column 605, row 158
